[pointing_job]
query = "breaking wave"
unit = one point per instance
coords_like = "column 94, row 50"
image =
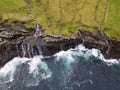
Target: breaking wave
column 75, row 69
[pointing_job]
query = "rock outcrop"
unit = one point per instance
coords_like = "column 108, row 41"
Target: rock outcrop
column 21, row 42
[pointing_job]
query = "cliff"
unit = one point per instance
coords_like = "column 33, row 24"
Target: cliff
column 66, row 23
column 22, row 42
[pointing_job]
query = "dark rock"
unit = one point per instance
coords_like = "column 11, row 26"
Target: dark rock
column 7, row 52
column 22, row 43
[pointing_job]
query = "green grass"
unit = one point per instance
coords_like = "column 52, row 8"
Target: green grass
column 113, row 20
column 13, row 9
column 64, row 16
column 6, row 4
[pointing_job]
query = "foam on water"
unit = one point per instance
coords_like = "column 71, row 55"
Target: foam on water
column 81, row 47
column 80, row 50
column 34, row 63
column 9, row 69
column 38, row 69
column 112, row 61
column 7, row 73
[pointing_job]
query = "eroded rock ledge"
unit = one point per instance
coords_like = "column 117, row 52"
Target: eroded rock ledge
column 20, row 42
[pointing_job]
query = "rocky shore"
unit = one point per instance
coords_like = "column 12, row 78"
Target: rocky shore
column 21, row 42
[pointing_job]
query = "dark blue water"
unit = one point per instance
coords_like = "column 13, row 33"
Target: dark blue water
column 75, row 69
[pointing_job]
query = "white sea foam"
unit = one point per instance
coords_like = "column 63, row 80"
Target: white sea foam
column 95, row 52
column 65, row 56
column 81, row 47
column 39, row 69
column 34, row 63
column 112, row 61
column 9, row 69
column 7, row 73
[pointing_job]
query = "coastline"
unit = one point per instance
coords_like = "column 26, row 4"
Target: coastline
column 20, row 42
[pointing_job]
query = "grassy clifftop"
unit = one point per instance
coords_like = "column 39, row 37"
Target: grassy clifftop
column 65, row 16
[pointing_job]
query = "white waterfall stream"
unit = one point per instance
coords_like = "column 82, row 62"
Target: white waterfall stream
column 37, row 29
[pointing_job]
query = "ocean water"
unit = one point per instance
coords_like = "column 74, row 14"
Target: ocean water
column 75, row 69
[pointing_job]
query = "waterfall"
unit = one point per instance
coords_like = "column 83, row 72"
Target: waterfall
column 26, row 50
column 78, row 68
column 61, row 47
column 37, row 29
column 39, row 50
column 17, row 48
column 107, row 43
column 108, row 48
column 23, row 50
column 82, row 36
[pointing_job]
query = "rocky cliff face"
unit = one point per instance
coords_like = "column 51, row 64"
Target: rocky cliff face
column 21, row 42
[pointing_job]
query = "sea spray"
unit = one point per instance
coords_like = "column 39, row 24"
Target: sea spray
column 75, row 69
